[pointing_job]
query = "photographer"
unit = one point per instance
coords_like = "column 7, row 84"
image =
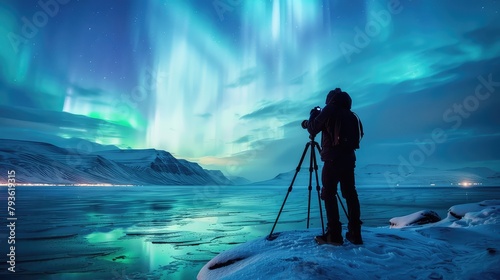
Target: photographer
column 340, row 127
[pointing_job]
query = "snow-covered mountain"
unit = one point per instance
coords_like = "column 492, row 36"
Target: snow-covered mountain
column 394, row 175
column 37, row 162
column 240, row 181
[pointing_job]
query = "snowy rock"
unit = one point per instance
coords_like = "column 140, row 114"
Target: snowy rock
column 418, row 218
column 459, row 211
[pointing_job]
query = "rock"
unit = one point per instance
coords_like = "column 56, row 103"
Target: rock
column 418, row 218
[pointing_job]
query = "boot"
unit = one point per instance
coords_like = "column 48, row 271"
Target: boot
column 331, row 238
column 354, row 234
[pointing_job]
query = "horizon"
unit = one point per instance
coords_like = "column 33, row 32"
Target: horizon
column 226, row 84
column 368, row 176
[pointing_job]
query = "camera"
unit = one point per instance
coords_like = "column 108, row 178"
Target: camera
column 304, row 124
column 315, row 111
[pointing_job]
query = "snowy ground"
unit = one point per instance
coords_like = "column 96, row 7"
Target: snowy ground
column 454, row 248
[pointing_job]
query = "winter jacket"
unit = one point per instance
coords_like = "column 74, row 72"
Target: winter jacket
column 324, row 121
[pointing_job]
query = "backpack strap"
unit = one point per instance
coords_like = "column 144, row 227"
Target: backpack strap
column 336, row 132
column 360, row 127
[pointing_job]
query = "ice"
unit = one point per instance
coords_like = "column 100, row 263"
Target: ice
column 171, row 232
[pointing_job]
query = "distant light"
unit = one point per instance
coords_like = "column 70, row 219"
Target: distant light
column 467, row 184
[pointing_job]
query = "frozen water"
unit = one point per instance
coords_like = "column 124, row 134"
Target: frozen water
column 170, row 232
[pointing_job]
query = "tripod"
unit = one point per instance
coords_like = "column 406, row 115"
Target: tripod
column 313, row 165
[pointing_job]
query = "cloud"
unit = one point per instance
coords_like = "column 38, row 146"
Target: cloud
column 299, row 79
column 15, row 95
column 244, row 139
column 285, row 109
column 279, row 155
column 448, row 50
column 86, row 92
column 205, row 115
column 36, row 121
column 262, row 112
column 483, row 36
column 393, row 125
column 294, row 124
column 469, row 149
column 246, row 77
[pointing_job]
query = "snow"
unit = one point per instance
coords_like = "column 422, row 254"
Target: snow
column 453, row 248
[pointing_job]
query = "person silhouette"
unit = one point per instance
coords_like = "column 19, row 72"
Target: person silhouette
column 338, row 155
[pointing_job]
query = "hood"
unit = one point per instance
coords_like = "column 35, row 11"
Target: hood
column 339, row 98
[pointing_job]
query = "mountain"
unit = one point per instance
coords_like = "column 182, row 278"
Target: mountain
column 480, row 171
column 240, row 181
column 495, row 176
column 43, row 163
column 395, row 175
column 284, row 179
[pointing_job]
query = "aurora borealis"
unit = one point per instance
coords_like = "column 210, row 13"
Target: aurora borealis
column 226, row 83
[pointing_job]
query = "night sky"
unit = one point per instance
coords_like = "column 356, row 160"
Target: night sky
column 226, row 83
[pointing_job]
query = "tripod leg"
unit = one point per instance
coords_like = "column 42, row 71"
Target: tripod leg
column 270, row 237
column 311, row 162
column 317, row 186
column 342, row 204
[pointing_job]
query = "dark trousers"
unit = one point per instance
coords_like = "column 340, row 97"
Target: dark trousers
column 331, row 175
